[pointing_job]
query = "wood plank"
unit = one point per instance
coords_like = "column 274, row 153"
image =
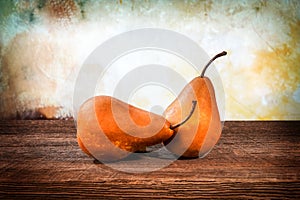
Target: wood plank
column 41, row 159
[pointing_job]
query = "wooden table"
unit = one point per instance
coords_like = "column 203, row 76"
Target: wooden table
column 41, row 159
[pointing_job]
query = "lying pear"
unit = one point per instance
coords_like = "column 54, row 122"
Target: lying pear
column 201, row 132
column 109, row 129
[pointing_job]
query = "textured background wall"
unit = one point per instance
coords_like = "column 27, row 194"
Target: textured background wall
column 43, row 45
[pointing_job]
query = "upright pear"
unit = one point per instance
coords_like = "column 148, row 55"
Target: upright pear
column 201, row 132
column 109, row 129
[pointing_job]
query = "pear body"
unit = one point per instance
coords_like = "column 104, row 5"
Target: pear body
column 109, row 129
column 201, row 132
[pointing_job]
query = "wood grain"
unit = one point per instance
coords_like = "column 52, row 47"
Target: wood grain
column 41, row 159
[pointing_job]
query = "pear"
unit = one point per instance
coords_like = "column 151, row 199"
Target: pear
column 109, row 129
column 201, row 132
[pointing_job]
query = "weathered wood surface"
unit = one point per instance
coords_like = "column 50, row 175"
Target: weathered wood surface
column 41, row 159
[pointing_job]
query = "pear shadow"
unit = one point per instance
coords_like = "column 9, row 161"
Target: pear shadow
column 159, row 151
column 97, row 162
column 131, row 157
column 187, row 158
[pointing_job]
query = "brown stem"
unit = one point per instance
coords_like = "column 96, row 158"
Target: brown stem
column 211, row 60
column 187, row 118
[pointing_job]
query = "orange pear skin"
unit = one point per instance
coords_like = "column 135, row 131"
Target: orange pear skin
column 109, row 129
column 202, row 131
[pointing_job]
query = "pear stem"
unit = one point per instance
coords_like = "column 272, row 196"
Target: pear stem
column 211, row 60
column 187, row 118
